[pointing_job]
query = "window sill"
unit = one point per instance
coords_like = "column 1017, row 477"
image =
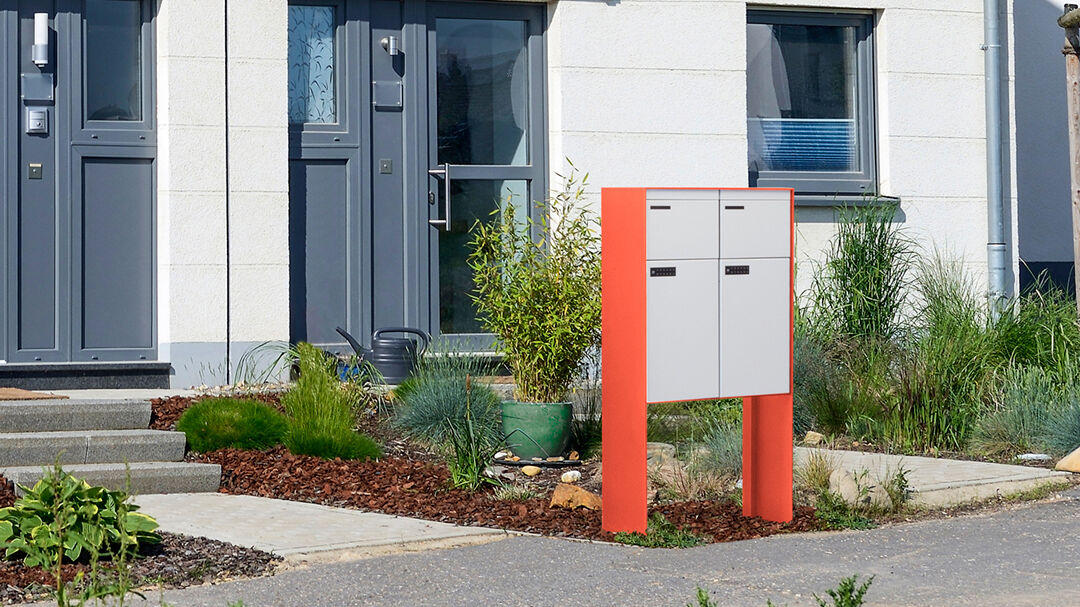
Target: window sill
column 843, row 200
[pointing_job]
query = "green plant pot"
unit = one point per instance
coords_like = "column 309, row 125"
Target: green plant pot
column 536, row 429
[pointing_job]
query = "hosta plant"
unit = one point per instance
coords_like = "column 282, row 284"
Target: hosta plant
column 63, row 518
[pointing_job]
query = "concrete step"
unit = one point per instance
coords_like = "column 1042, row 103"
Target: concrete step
column 90, row 447
column 73, row 414
column 145, row 477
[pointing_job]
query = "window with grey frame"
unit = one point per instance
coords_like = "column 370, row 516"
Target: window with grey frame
column 810, row 102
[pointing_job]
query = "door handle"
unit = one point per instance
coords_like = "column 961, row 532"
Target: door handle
column 442, row 173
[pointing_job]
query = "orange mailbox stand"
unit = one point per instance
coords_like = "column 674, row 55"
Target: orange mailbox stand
column 634, row 232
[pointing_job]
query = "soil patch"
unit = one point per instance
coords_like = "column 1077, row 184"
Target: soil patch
column 177, row 562
column 420, row 489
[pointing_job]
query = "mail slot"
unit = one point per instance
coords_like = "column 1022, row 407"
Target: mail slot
column 718, row 303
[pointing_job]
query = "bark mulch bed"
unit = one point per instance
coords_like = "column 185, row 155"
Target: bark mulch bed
column 404, row 487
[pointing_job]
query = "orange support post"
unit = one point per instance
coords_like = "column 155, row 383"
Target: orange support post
column 623, row 352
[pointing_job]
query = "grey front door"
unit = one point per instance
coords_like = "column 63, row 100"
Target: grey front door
column 410, row 121
column 78, row 186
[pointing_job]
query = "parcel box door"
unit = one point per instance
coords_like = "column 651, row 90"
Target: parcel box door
column 682, row 316
column 682, row 224
column 755, row 224
column 755, row 327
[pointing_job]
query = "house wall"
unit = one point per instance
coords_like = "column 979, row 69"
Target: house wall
column 223, row 237
column 640, row 92
column 652, row 92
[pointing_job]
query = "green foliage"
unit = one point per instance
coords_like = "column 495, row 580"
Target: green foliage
column 64, row 516
column 587, row 427
column 321, row 421
column 860, row 290
column 1019, row 422
column 1040, row 330
column 703, row 599
column 724, row 450
column 848, row 594
column 470, row 449
column 219, row 423
column 538, row 289
column 65, row 519
column 689, row 421
column 832, row 510
column 434, row 399
column 1062, row 434
column 660, row 533
column 515, row 493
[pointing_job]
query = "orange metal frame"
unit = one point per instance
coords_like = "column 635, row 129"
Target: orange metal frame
column 767, row 419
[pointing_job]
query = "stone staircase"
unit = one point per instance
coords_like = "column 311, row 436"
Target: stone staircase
column 104, row 442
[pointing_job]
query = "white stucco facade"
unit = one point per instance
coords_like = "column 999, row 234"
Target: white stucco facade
column 638, row 93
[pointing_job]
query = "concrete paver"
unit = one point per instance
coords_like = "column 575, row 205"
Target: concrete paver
column 301, row 531
column 938, row 481
column 123, row 394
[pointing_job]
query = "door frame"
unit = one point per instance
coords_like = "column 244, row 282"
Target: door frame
column 8, row 151
column 534, row 172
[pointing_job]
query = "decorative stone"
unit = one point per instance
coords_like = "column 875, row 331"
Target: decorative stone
column 502, row 455
column 1069, row 463
column 515, row 459
column 571, row 476
column 572, row 496
column 555, row 459
column 813, row 438
column 574, row 456
column 530, row 470
column 537, row 459
column 1033, row 457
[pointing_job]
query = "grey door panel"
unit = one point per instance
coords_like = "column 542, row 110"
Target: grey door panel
column 319, row 249
column 114, row 259
column 80, row 257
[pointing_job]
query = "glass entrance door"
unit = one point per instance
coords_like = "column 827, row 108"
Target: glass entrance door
column 486, row 142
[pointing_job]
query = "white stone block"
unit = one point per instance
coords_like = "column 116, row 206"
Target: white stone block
column 259, row 228
column 259, row 303
column 197, row 224
column 197, row 310
column 259, row 159
column 258, row 93
column 195, row 159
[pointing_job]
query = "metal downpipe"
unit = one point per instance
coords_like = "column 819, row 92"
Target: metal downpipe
column 996, row 250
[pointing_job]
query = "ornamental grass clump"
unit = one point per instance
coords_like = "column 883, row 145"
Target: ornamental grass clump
column 438, row 398
column 538, row 289
column 220, row 423
column 321, row 421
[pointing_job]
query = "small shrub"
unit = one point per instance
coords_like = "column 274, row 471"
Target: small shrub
column 898, row 487
column 660, row 533
column 321, row 419
column 433, row 400
column 587, row 428
column 1020, row 422
column 538, row 288
column 703, row 599
column 220, row 423
column 687, row 483
column 1062, row 433
column 330, row 444
column 1040, row 329
column 832, row 510
column 62, row 517
column 514, row 493
column 861, row 288
column 815, row 472
column 724, row 451
column 848, row 594
column 470, row 449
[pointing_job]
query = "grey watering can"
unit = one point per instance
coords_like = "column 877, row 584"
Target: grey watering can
column 394, row 357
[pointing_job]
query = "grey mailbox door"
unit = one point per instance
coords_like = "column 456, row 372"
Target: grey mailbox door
column 78, row 190
column 390, row 103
